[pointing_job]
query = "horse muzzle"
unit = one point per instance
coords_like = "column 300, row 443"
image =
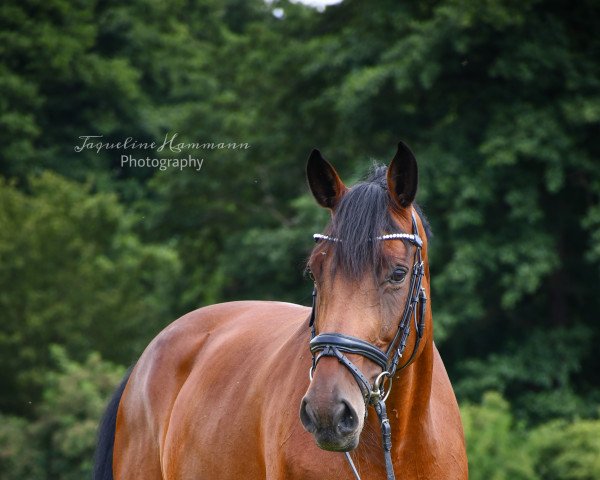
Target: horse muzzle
column 334, row 423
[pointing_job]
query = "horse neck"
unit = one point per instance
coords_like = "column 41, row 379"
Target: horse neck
column 408, row 401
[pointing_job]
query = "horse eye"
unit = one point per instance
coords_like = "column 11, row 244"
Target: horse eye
column 398, row 275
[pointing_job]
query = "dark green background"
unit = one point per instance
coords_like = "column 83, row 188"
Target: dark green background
column 498, row 99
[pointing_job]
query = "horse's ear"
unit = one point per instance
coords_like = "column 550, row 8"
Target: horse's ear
column 403, row 176
column 324, row 182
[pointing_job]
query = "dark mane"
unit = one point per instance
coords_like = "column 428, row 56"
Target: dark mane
column 363, row 213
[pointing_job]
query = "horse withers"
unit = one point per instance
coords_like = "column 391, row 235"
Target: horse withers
column 216, row 394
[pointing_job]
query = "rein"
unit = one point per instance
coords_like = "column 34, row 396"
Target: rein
column 337, row 344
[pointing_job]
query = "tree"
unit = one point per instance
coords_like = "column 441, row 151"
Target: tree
column 73, row 272
column 496, row 445
column 501, row 448
column 567, row 450
column 59, row 442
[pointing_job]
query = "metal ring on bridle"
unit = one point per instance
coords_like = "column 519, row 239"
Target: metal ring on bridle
column 378, row 384
column 378, row 381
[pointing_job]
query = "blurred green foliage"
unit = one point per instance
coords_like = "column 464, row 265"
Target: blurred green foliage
column 60, row 441
column 567, row 450
column 74, row 273
column 499, row 100
column 499, row 448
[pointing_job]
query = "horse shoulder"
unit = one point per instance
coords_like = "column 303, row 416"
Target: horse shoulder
column 189, row 374
column 145, row 407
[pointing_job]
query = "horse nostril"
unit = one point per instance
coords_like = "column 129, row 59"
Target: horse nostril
column 347, row 418
column 341, row 419
column 307, row 417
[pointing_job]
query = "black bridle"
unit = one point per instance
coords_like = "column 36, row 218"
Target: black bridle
column 337, row 345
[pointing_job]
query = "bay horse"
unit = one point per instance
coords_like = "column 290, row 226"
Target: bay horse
column 216, row 394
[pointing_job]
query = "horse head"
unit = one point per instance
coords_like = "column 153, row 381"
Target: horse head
column 371, row 277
